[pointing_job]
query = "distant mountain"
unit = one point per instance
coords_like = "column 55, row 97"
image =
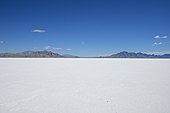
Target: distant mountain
column 49, row 54
column 32, row 54
column 125, row 54
column 165, row 56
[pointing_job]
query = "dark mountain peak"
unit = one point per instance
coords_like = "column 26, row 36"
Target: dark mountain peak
column 165, row 56
column 125, row 54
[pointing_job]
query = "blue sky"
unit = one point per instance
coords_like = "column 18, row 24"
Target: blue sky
column 85, row 27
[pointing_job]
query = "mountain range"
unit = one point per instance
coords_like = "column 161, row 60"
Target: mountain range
column 32, row 54
column 125, row 54
column 49, row 54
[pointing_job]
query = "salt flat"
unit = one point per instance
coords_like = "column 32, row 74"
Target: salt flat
column 84, row 85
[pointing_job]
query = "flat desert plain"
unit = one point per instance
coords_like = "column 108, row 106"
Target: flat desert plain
column 68, row 85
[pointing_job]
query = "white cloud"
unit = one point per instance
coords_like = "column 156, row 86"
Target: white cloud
column 52, row 48
column 68, row 49
column 158, row 52
column 47, row 47
column 158, row 37
column 157, row 43
column 57, row 49
column 38, row 31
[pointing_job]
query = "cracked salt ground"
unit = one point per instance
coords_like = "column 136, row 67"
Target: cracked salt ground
column 84, row 85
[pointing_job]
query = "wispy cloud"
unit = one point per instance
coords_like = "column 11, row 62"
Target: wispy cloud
column 47, row 47
column 158, row 52
column 52, row 48
column 157, row 43
column 38, row 31
column 57, row 49
column 158, row 37
column 69, row 49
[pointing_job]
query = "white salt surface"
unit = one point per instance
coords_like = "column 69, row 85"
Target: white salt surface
column 84, row 85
